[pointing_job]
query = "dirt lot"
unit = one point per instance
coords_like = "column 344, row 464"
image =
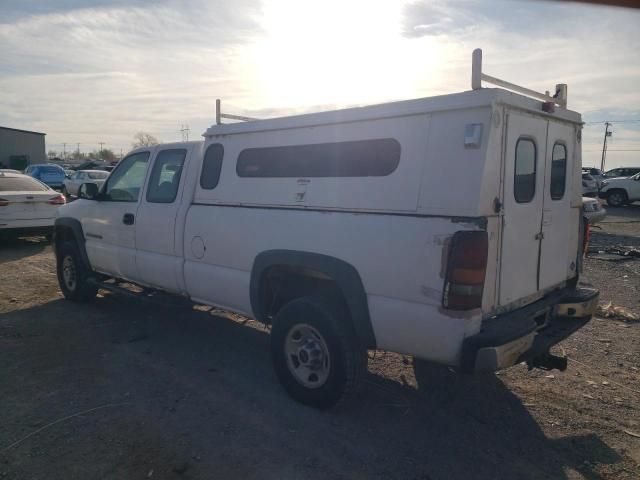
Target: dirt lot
column 126, row 389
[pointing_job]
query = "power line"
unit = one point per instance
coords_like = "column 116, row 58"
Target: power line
column 599, row 122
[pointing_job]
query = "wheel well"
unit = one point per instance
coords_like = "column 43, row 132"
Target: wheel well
column 63, row 234
column 621, row 190
column 279, row 284
column 279, row 276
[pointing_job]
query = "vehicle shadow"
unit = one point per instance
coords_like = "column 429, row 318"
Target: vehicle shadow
column 194, row 376
column 15, row 248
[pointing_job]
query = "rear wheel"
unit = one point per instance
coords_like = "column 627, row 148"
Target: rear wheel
column 617, row 198
column 73, row 275
column 315, row 352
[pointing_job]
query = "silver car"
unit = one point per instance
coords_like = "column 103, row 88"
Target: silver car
column 72, row 184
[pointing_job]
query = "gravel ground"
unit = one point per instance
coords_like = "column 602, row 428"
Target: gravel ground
column 122, row 388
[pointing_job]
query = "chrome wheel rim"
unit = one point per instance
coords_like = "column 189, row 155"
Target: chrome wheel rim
column 69, row 274
column 307, row 354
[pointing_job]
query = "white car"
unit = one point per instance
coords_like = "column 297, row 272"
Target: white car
column 72, row 184
column 592, row 210
column 27, row 206
column 620, row 191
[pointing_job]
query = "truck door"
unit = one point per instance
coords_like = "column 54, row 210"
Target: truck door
column 560, row 220
column 158, row 262
column 109, row 225
column 524, row 168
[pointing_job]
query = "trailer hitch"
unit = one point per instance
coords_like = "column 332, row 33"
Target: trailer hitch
column 547, row 361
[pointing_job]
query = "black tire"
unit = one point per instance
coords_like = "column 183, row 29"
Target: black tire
column 78, row 290
column 346, row 358
column 617, row 198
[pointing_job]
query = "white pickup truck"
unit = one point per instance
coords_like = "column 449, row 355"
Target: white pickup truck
column 447, row 228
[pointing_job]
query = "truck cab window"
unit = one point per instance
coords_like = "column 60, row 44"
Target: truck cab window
column 165, row 176
column 211, row 166
column 524, row 185
column 558, row 171
column 125, row 182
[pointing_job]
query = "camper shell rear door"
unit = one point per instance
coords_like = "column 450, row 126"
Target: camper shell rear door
column 539, row 221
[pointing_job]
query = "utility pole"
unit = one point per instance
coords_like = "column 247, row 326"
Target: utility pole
column 184, row 129
column 607, row 133
column 101, row 143
column 78, row 152
column 64, row 151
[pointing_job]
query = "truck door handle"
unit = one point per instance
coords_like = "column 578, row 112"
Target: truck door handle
column 128, row 219
column 539, row 236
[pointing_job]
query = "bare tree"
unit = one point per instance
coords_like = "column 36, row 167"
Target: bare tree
column 107, row 155
column 144, row 139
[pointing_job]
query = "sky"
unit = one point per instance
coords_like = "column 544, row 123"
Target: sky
column 100, row 71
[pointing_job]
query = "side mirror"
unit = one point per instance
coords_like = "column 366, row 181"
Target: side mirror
column 88, row 191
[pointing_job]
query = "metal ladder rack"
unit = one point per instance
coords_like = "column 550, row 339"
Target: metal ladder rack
column 220, row 115
column 560, row 97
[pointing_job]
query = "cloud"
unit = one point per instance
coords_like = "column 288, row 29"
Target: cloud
column 93, row 73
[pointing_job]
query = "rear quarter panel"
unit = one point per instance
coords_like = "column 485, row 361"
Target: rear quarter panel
column 400, row 259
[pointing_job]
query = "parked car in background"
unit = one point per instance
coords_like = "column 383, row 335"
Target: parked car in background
column 51, row 175
column 622, row 172
column 27, row 206
column 620, row 191
column 107, row 168
column 592, row 210
column 596, row 173
column 589, row 185
column 90, row 165
column 72, row 184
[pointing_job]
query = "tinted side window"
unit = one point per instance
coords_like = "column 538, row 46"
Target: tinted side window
column 211, row 166
column 125, row 182
column 363, row 158
column 524, row 185
column 558, row 171
column 165, row 176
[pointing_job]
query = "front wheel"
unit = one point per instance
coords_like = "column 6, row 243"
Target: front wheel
column 73, row 275
column 315, row 352
column 616, row 198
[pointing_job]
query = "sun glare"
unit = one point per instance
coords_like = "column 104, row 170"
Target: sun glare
column 337, row 53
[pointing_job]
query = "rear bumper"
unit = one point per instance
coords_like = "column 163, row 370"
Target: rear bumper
column 529, row 332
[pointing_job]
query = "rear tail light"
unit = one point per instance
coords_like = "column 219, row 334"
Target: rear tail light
column 57, row 200
column 466, row 268
column 3, row 202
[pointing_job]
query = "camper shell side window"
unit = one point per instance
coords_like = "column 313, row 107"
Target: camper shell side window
column 524, row 182
column 360, row 158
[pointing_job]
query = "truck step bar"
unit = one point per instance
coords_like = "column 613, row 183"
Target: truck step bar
column 150, row 295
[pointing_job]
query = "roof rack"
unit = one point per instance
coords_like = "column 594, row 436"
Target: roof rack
column 220, row 115
column 560, row 97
